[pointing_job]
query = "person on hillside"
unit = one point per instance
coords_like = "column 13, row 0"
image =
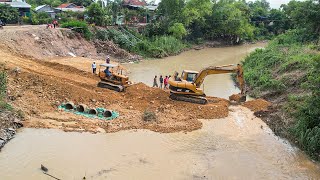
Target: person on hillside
column 55, row 23
column 161, row 81
column 94, row 67
column 108, row 60
column 155, row 83
column 166, row 80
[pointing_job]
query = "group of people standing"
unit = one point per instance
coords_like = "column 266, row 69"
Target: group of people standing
column 94, row 66
column 164, row 82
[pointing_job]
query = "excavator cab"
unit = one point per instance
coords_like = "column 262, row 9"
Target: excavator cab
column 189, row 76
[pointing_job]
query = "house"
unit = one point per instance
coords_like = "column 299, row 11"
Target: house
column 134, row 4
column 21, row 5
column 70, row 7
column 48, row 9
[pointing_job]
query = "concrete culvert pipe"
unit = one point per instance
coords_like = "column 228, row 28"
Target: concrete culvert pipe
column 107, row 113
column 93, row 112
column 81, row 108
column 69, row 106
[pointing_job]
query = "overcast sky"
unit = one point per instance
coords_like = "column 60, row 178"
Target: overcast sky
column 273, row 3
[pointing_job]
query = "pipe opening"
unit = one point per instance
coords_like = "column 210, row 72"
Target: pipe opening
column 107, row 113
column 93, row 112
column 69, row 106
column 81, row 108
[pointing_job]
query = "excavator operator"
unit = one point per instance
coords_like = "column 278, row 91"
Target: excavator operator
column 108, row 73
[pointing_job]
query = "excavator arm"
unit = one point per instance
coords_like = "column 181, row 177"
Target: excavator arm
column 232, row 68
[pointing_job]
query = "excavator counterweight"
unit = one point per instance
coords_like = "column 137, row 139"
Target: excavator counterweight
column 187, row 87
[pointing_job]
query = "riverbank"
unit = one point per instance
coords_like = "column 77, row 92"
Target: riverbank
column 286, row 73
column 9, row 124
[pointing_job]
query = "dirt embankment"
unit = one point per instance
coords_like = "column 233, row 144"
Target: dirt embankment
column 37, row 87
column 38, row 84
column 41, row 43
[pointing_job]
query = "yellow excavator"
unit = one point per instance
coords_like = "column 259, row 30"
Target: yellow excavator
column 187, row 87
column 113, row 77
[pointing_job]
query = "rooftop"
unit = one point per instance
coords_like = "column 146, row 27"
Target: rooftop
column 17, row 4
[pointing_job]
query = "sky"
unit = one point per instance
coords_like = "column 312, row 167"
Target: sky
column 273, row 3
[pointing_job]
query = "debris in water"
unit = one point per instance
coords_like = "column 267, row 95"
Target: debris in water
column 43, row 168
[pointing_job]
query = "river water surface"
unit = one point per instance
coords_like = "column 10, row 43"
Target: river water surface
column 220, row 85
column 240, row 146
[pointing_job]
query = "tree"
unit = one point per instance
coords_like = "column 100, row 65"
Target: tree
column 171, row 9
column 84, row 3
column 278, row 22
column 8, row 14
column 196, row 10
column 95, row 14
column 228, row 22
column 305, row 14
column 178, row 30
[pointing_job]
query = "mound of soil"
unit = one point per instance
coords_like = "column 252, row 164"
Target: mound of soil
column 60, row 42
column 257, row 105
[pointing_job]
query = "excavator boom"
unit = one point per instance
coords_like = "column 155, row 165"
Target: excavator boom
column 187, row 88
column 221, row 70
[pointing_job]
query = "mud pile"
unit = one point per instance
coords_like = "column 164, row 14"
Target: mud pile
column 257, row 105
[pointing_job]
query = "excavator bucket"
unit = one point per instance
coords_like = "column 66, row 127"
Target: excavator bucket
column 238, row 98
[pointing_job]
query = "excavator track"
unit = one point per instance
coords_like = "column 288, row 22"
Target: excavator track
column 113, row 87
column 189, row 98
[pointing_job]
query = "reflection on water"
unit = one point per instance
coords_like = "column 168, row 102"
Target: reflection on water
column 220, row 85
column 232, row 148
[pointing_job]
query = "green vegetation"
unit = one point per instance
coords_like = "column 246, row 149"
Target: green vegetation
column 79, row 26
column 158, row 46
column 3, row 90
column 231, row 21
column 287, row 70
column 8, row 14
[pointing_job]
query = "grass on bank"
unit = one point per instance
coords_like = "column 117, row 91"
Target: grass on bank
column 3, row 90
column 289, row 66
column 156, row 47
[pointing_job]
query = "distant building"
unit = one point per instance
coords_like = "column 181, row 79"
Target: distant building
column 46, row 8
column 70, row 7
column 134, row 4
column 21, row 5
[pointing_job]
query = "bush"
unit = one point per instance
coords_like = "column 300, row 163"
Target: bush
column 8, row 14
column 80, row 27
column 178, row 30
column 159, row 47
column 307, row 128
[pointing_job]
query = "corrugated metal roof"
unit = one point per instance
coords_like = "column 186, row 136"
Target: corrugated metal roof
column 39, row 7
column 17, row 4
column 71, row 9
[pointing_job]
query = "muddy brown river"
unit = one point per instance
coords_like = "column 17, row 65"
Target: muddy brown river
column 220, row 85
column 240, row 146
